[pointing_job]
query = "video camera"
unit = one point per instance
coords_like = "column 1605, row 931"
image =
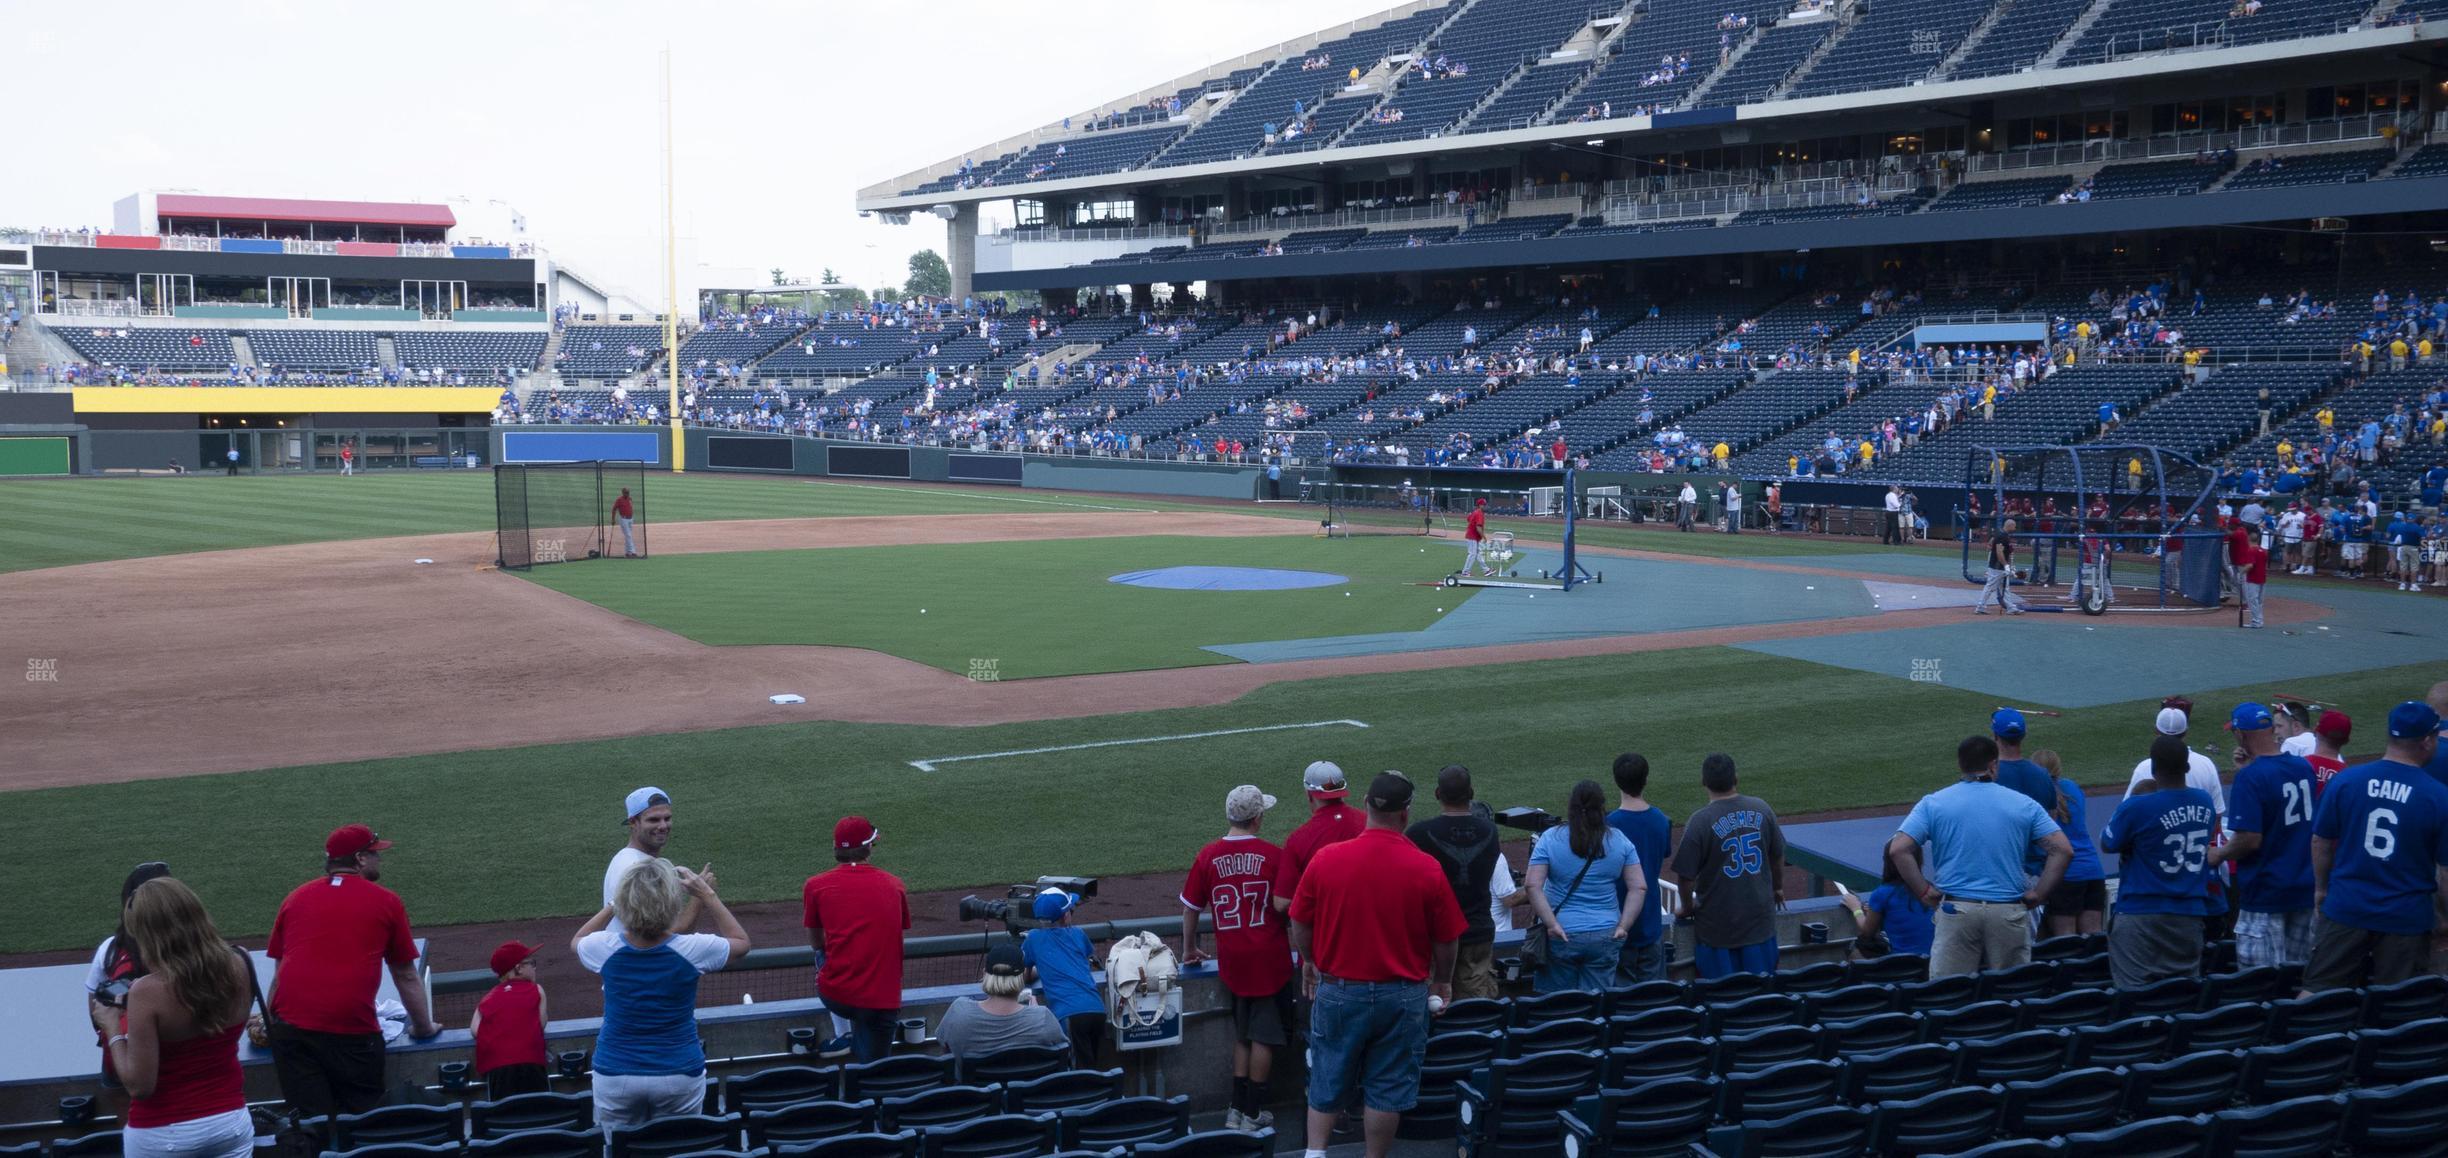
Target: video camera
column 1526, row 818
column 1016, row 909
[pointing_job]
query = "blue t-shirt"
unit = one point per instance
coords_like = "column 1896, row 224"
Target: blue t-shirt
column 1902, row 916
column 2029, row 779
column 2405, row 532
column 2086, row 864
column 1060, row 957
column 2273, row 796
column 1648, row 832
column 1594, row 904
column 2163, row 838
column 1974, row 835
column 650, row 1002
column 2390, row 822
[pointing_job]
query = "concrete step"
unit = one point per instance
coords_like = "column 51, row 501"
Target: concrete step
column 241, row 351
column 386, row 352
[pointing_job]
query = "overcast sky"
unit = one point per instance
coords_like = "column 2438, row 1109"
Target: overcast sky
column 785, row 110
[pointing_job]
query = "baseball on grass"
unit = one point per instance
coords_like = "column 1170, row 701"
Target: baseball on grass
column 922, row 611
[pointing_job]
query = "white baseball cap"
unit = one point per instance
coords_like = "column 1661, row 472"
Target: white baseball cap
column 2173, row 722
column 1246, row 803
column 641, row 800
column 1325, row 781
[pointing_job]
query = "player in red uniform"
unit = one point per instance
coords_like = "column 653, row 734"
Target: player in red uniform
column 1235, row 879
column 1474, row 529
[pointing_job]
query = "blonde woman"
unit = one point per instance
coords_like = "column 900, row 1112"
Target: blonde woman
column 176, row 1043
column 649, row 1062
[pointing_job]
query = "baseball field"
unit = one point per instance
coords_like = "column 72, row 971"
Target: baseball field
column 220, row 670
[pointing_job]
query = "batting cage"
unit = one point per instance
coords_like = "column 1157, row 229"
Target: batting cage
column 562, row 511
column 1356, row 506
column 2108, row 527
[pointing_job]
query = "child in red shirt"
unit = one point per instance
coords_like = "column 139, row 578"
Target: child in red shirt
column 509, row 1027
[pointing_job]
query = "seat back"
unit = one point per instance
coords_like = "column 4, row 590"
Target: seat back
column 1762, row 1048
column 809, row 1122
column 2315, row 1065
column 1000, row 1136
column 2130, row 1042
column 948, row 1106
column 1675, row 1057
column 2407, row 1053
column 2407, row 1119
column 901, row 1145
column 668, row 1137
column 1750, row 1013
column 1474, row 1013
column 1212, row 1144
column 2421, row 997
column 1657, row 1025
column 2261, row 983
column 1731, row 988
column 2166, row 996
column 588, row 1143
column 2242, row 1025
column 1562, row 1004
column 2031, row 979
column 395, row 1150
column 1820, row 978
column 1872, row 1034
column 896, row 1077
column 780, row 1086
column 1580, row 1033
column 1850, row 1003
column 1977, row 1020
column 2069, row 1103
column 1653, row 1116
column 1068, row 1090
column 1901, row 1074
column 2196, row 1083
column 1024, row 1063
column 2148, row 1138
column 1832, row 1132
column 1780, row 1091
column 1126, row 1122
column 1955, row 1119
column 2070, row 1009
column 521, row 1113
column 2015, row 1057
column 2295, row 1128
column 1892, row 969
column 1644, row 996
column 1938, row 993
column 400, row 1125
column 2333, row 1011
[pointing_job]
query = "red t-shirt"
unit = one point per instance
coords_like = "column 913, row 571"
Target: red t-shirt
column 1473, row 526
column 1334, row 824
column 1374, row 905
column 510, row 1027
column 347, row 453
column 1559, row 450
column 863, row 911
column 2239, row 541
column 332, row 938
column 2256, row 564
column 620, row 506
column 1235, row 879
column 2323, row 767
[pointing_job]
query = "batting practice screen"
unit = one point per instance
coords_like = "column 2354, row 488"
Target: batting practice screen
column 559, row 512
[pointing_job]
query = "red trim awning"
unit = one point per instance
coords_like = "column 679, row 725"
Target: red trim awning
column 289, row 209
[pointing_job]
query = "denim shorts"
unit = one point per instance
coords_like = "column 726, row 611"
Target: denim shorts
column 1369, row 1037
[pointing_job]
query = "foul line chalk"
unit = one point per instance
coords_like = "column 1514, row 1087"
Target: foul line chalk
column 929, row 764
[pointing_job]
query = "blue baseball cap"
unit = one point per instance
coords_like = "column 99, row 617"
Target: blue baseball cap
column 2412, row 720
column 2006, row 724
column 1051, row 904
column 2249, row 718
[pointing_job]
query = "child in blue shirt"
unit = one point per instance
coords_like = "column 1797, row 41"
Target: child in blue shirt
column 1057, row 957
column 2079, row 904
column 2162, row 838
column 1891, row 913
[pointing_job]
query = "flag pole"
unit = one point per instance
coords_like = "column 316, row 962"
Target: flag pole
column 671, row 285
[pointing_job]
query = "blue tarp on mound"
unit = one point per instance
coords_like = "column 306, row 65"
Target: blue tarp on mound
column 1227, row 579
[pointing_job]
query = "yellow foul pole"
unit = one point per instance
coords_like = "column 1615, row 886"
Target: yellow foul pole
column 671, row 284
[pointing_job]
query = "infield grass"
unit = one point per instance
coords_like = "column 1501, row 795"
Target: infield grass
column 522, row 833
column 1027, row 608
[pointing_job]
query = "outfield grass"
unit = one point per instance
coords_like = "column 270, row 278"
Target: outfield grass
column 1028, row 608
column 56, row 522
column 523, row 833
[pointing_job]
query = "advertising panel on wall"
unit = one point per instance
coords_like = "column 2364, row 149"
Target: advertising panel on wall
column 868, row 461
column 995, row 468
column 581, row 446
column 741, row 452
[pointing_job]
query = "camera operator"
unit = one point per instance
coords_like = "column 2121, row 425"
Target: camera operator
column 116, row 966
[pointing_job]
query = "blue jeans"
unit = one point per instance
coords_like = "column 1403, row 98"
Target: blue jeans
column 1369, row 1037
column 1638, row 963
column 871, row 1030
column 1713, row 963
column 1587, row 961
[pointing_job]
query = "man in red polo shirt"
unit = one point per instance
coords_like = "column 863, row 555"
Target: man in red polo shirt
column 1474, row 529
column 332, row 941
column 1376, row 926
column 855, row 914
column 1330, row 822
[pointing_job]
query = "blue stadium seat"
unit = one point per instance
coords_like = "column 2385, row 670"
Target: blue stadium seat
column 2015, row 1057
column 1822, row 977
column 1124, row 1122
column 2089, row 970
column 399, row 1150
column 1659, row 1117
column 669, row 1137
column 2238, row 1025
column 1761, row 1012
column 1068, row 1090
column 1452, row 1056
column 1572, row 1004
column 1850, row 1003
column 1938, row 993
column 1833, row 1132
column 546, row 1143
column 2398, row 1120
column 2070, row 1009
column 2013, row 1148
column 2312, row 1066
column 1978, row 1020
column 1674, row 1057
column 2130, row 1042
column 2407, row 1053
column 1001, row 1136
column 808, row 1122
column 1657, row 1025
column 723, row 1154
column 1733, row 987
column 1212, row 1144
column 771, row 1089
column 2196, row 1083
column 399, row 1125
column 1026, row 1063
column 1780, row 1090
column 1955, row 1119
column 1474, row 1013
column 1913, row 1071
column 2165, row 997
column 2030, row 980
column 1586, row 1033
column 2316, row 1015
column 2063, row 948
column 1511, row 1106
column 1872, row 1034
column 2422, row 997
column 897, row 1076
column 1760, row 1048
column 2071, row 1102
column 901, row 1145
column 2297, row 1128
column 939, row 1107
column 2148, row 1138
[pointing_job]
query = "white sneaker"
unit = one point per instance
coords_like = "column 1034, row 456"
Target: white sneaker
column 1262, row 1120
column 1233, row 1119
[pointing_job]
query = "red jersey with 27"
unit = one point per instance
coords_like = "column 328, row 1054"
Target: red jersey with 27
column 1235, row 880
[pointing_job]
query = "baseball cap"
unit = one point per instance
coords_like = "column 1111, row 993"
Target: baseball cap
column 1053, row 903
column 2412, row 720
column 2006, row 724
column 2335, row 725
column 641, row 800
column 508, row 956
column 1389, row 792
column 1325, row 782
column 151, row 870
column 1246, row 803
column 2249, row 718
column 854, row 832
column 2180, row 703
column 351, row 839
column 1003, row 958
column 2173, row 722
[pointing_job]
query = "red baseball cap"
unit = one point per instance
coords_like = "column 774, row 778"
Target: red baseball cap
column 350, row 839
column 2336, row 725
column 854, row 832
column 509, row 956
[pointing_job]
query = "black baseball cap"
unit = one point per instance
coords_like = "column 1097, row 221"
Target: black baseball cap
column 1003, row 958
column 1389, row 792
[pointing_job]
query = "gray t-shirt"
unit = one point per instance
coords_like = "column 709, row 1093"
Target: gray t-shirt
column 968, row 1030
column 1725, row 860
